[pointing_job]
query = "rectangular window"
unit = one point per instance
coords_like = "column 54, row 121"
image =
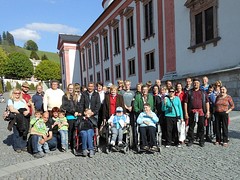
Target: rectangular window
column 118, row 71
column 97, row 53
column 204, row 24
column 149, row 59
column 91, row 78
column 89, row 58
column 116, row 41
column 98, row 76
column 130, row 32
column 148, row 17
column 209, row 23
column 199, row 31
column 84, row 63
column 105, row 46
column 131, row 66
column 107, row 75
column 85, row 81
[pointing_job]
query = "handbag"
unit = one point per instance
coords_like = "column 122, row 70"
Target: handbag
column 8, row 115
column 181, row 130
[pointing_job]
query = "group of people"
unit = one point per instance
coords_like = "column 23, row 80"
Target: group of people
column 46, row 121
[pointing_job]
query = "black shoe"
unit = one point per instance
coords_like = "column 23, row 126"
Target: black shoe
column 189, row 144
column 201, row 144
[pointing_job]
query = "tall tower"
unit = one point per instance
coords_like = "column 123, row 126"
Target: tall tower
column 106, row 3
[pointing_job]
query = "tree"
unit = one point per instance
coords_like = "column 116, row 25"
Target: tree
column 31, row 45
column 34, row 55
column 44, row 57
column 0, row 39
column 10, row 39
column 3, row 62
column 48, row 70
column 19, row 66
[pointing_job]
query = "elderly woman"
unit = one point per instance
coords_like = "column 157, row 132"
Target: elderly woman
column 20, row 125
column 223, row 105
column 69, row 105
column 147, row 121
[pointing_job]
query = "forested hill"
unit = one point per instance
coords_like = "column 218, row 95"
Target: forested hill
column 50, row 55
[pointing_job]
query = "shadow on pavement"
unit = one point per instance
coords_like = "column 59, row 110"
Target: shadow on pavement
column 9, row 140
column 234, row 134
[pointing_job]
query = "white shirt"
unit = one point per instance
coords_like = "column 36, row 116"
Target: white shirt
column 52, row 98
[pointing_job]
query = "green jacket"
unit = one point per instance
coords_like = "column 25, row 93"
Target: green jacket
column 138, row 103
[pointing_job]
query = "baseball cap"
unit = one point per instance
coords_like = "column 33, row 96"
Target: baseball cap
column 119, row 109
column 109, row 85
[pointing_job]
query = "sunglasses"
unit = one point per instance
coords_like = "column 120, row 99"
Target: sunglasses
column 171, row 91
column 17, row 93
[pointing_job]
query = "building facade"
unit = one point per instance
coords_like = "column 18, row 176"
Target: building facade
column 142, row 40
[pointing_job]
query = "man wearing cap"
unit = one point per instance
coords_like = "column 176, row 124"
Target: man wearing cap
column 27, row 97
column 196, row 107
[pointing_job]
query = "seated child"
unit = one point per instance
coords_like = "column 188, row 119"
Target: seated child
column 86, row 128
column 39, row 132
column 117, row 123
column 63, row 130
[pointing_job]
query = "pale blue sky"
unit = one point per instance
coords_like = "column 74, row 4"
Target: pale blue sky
column 43, row 20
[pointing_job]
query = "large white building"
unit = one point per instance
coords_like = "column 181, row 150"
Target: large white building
column 143, row 40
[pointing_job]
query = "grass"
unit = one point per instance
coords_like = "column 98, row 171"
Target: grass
column 51, row 56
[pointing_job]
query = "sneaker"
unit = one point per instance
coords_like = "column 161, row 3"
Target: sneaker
column 225, row 144
column 120, row 144
column 146, row 148
column 112, row 143
column 85, row 153
column 216, row 143
column 38, row 155
column 24, row 149
column 64, row 149
column 167, row 146
column 91, row 153
column 179, row 145
column 18, row 150
column 154, row 148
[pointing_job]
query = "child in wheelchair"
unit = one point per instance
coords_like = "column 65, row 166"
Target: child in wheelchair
column 118, row 126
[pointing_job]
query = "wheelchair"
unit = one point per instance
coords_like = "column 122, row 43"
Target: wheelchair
column 77, row 144
column 158, row 139
column 127, row 142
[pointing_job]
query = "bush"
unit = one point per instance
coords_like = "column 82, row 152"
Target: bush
column 32, row 87
column 18, row 86
column 8, row 86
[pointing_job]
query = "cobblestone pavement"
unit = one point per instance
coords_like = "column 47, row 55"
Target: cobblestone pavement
column 209, row 162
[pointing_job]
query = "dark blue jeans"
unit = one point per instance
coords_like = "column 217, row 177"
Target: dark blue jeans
column 87, row 139
column 52, row 143
column 18, row 141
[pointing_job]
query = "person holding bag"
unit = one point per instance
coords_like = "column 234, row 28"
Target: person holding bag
column 173, row 113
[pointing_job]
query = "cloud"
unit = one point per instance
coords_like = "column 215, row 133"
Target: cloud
column 59, row 28
column 32, row 31
column 24, row 34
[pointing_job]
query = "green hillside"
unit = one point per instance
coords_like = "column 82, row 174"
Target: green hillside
column 51, row 56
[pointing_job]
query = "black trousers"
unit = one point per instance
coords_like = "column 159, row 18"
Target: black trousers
column 71, row 129
column 171, row 133
column 200, row 128
column 221, row 124
column 148, row 131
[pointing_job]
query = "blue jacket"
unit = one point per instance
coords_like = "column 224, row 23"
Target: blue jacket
column 177, row 104
column 144, row 117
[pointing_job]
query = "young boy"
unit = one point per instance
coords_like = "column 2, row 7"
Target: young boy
column 39, row 132
column 63, row 130
column 117, row 123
